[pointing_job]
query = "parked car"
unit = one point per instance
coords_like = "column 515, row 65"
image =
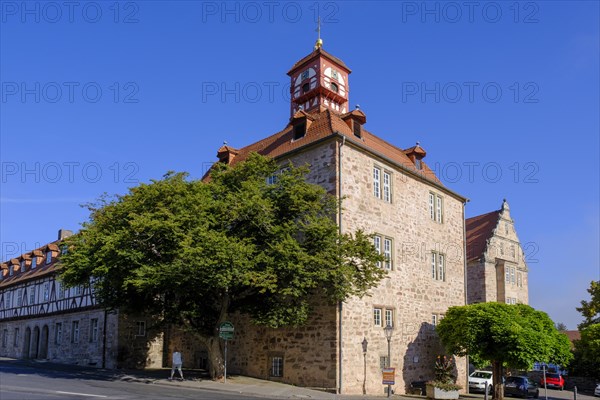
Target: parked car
column 555, row 381
column 521, row 386
column 478, row 379
column 597, row 390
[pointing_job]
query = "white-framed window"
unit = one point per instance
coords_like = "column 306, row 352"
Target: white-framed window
column 58, row 333
column 384, row 245
column 31, row 295
column 389, row 317
column 439, row 209
column 512, row 276
column 434, row 319
column 507, row 269
column 140, row 328
column 377, row 244
column 17, row 337
column 277, row 366
column 49, row 257
column 377, row 182
column 19, row 297
column 387, row 187
column 383, row 362
column 94, row 330
column 519, row 279
column 432, row 206
column 75, row 332
column 22, row 265
column 46, row 291
column 438, row 266
column 387, row 252
column 377, row 316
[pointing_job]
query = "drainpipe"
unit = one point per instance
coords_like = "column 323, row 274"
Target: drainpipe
column 104, row 340
column 465, row 278
column 340, row 306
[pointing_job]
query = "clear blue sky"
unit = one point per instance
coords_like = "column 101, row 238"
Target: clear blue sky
column 504, row 96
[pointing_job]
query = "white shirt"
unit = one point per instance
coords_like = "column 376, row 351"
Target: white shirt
column 177, row 358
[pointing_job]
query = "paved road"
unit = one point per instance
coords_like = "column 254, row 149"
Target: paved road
column 22, row 382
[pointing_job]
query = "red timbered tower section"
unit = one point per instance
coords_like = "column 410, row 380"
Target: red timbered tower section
column 319, row 81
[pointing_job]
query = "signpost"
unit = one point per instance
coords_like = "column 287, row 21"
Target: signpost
column 226, row 333
column 389, row 376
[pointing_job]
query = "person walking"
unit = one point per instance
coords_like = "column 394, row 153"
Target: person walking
column 177, row 362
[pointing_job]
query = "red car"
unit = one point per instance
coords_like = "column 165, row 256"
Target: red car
column 554, row 381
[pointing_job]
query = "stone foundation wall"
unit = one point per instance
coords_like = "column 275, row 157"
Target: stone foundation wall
column 39, row 338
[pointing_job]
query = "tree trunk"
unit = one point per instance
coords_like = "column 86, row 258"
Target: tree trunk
column 215, row 357
column 498, row 372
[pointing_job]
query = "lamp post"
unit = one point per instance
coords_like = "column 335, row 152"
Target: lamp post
column 364, row 349
column 388, row 335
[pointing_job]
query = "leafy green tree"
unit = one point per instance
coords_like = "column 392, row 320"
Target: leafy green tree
column 587, row 353
column 591, row 309
column 192, row 252
column 514, row 336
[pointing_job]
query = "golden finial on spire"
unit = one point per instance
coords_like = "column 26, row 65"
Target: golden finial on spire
column 319, row 42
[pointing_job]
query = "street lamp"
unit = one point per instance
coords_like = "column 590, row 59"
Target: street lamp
column 388, row 335
column 364, row 348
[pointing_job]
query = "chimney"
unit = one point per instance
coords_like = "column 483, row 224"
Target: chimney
column 64, row 233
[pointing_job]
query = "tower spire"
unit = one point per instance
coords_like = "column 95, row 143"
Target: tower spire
column 319, row 42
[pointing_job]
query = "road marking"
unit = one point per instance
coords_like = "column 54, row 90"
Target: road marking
column 81, row 394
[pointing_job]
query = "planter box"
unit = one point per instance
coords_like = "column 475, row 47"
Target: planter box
column 437, row 393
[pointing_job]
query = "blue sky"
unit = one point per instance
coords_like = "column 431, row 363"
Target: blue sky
column 504, row 96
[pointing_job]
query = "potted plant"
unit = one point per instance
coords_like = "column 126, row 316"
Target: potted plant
column 444, row 386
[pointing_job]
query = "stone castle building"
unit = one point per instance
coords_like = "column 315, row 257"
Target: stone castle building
column 418, row 223
column 497, row 270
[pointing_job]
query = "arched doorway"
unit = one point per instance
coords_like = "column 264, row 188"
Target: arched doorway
column 26, row 343
column 35, row 343
column 43, row 353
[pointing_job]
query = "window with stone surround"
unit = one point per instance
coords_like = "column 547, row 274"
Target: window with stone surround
column 436, row 208
column 434, row 320
column 94, row 330
column 58, row 333
column 75, row 332
column 512, row 276
column 377, row 316
column 386, row 248
column 276, row 369
column 377, row 182
column 140, row 328
column 507, row 277
column 387, row 187
column 519, row 279
column 389, row 317
column 383, row 362
column 438, row 266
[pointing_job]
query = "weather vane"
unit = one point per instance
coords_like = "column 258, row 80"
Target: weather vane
column 319, row 42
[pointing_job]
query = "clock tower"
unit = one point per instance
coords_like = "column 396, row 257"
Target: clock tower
column 319, row 81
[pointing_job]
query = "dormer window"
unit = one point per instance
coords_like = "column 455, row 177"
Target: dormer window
column 418, row 164
column 305, row 87
column 357, row 129
column 334, row 87
column 299, row 130
column 11, row 270
column 33, row 262
column 22, row 265
column 48, row 257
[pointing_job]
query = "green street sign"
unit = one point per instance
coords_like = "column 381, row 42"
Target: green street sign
column 226, row 330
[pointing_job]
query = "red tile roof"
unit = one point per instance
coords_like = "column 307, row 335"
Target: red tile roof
column 329, row 124
column 42, row 269
column 479, row 230
column 315, row 53
column 573, row 335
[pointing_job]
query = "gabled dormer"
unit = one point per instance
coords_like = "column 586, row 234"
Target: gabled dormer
column 416, row 154
column 226, row 154
column 355, row 119
column 301, row 122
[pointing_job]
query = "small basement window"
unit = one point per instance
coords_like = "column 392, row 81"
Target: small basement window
column 299, row 131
